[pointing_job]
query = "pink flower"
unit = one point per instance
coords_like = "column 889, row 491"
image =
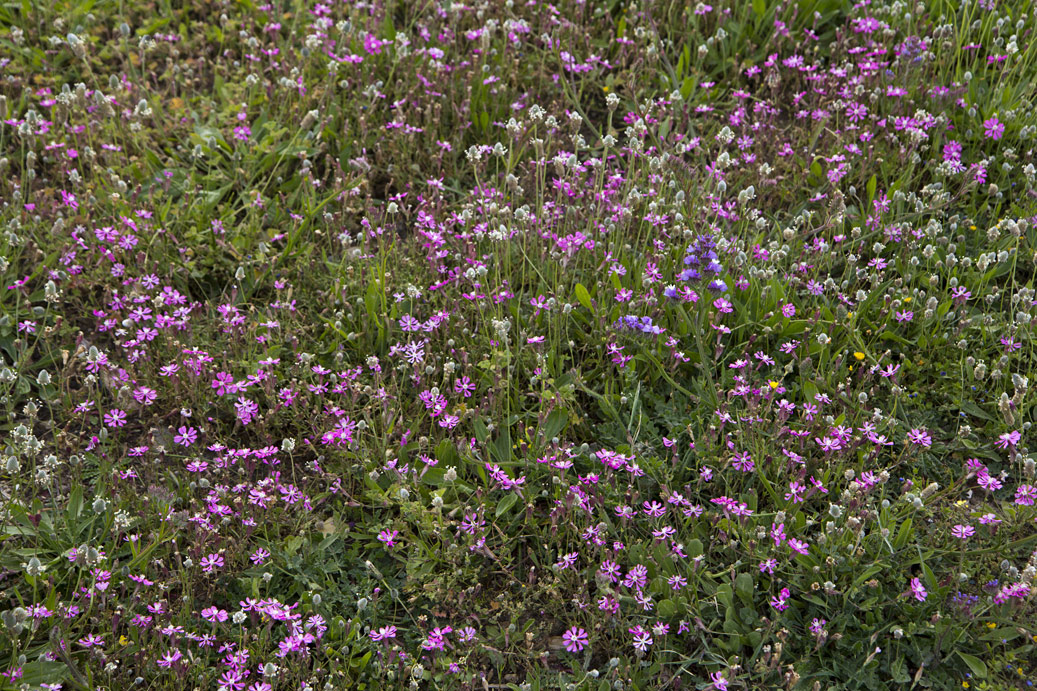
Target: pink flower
column 211, row 562
column 169, row 658
column 186, row 436
column 918, row 590
column 719, row 683
column 575, row 639
column 963, row 532
column 1008, row 439
column 384, row 633
column 642, row 639
column 115, row 418
column 920, row 437
column 1025, row 495
column 994, row 128
column 781, row 602
column 799, row 546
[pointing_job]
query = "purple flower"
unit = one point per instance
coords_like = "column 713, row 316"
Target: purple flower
column 993, row 128
column 1008, row 439
column 781, row 602
column 211, row 562
column 115, row 418
column 920, row 437
column 186, row 436
column 384, row 633
column 1025, row 495
column 963, row 532
column 918, row 590
column 575, row 639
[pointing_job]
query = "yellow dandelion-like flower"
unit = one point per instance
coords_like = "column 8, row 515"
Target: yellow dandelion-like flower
column 859, row 355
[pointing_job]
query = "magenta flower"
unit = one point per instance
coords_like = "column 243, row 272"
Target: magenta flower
column 214, row 615
column 1008, row 439
column 388, row 537
column 211, row 562
column 920, row 437
column 115, row 418
column 993, row 128
column 575, row 639
column 145, row 395
column 781, row 602
column 186, row 436
column 799, row 546
column 963, row 532
column 384, row 633
column 642, row 639
column 168, row 658
column 719, row 683
column 918, row 590
column 1025, row 495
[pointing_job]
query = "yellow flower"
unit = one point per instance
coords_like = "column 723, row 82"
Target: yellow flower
column 964, row 684
column 123, row 640
column 859, row 355
column 907, row 299
column 774, row 384
column 991, row 625
column 605, row 89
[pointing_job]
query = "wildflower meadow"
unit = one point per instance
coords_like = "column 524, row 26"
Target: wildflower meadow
column 518, row 344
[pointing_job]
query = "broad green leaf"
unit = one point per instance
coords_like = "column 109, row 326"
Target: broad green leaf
column 583, row 297
column 978, row 667
column 555, row 423
column 505, row 504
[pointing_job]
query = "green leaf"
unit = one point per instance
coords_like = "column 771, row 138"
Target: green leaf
column 501, row 448
column 975, row 411
column 873, row 182
column 760, row 7
column 744, row 587
column 75, row 505
column 899, row 671
column 506, row 503
column 978, row 667
column 583, row 296
column 40, row 672
column 903, row 535
column 481, row 433
column 555, row 423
